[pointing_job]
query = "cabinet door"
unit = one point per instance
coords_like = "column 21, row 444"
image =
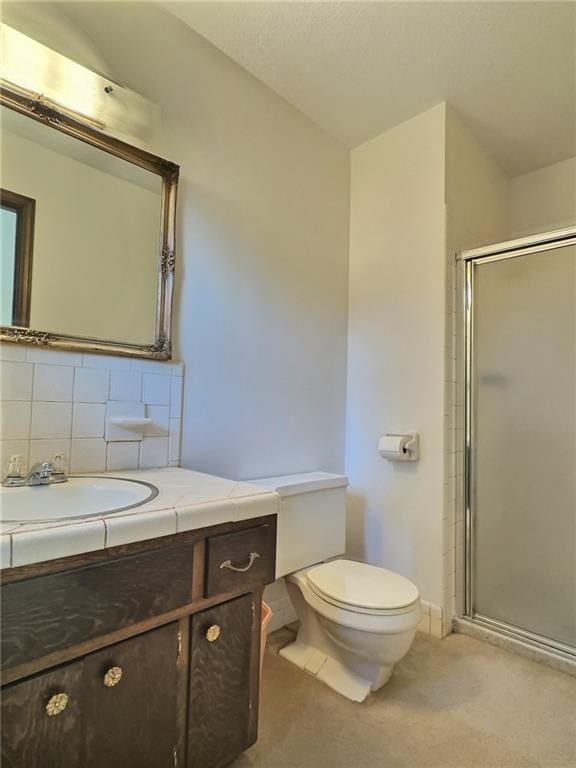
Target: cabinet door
column 221, row 672
column 42, row 720
column 130, row 715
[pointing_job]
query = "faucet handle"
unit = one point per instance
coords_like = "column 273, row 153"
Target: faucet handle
column 59, row 462
column 59, row 467
column 15, row 466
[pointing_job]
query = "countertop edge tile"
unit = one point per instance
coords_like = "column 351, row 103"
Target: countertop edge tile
column 5, row 550
column 139, row 526
column 256, row 506
column 194, row 516
column 53, row 543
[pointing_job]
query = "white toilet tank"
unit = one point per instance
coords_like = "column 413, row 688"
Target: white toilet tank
column 312, row 518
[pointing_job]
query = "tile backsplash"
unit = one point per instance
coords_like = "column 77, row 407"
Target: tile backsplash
column 60, row 402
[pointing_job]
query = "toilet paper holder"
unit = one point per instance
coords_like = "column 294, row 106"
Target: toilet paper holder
column 400, row 446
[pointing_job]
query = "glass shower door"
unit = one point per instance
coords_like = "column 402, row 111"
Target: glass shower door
column 523, row 443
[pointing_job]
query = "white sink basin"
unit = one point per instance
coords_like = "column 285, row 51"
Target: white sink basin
column 78, row 497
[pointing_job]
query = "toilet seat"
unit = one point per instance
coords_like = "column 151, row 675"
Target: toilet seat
column 362, row 589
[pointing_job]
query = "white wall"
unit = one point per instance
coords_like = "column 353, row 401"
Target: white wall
column 262, row 274
column 544, row 199
column 419, row 193
column 396, row 347
column 477, row 190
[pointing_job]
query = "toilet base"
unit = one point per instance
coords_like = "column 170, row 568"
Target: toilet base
column 332, row 672
column 352, row 660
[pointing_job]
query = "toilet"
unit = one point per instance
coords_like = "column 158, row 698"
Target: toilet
column 356, row 620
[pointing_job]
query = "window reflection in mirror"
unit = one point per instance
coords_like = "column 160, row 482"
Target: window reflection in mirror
column 96, row 233
column 16, row 241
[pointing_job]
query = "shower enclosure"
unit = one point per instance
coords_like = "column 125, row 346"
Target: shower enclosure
column 520, row 475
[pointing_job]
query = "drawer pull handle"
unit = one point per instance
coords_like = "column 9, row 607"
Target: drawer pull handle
column 113, row 677
column 213, row 633
column 57, row 704
column 251, row 560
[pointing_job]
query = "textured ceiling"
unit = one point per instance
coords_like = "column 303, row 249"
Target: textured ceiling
column 359, row 68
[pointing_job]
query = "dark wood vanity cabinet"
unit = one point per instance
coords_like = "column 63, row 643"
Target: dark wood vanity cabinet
column 161, row 669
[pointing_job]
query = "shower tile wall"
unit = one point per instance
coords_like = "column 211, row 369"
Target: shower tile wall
column 57, row 402
column 452, row 449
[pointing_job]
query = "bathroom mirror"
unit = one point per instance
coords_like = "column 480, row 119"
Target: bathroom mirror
column 87, row 226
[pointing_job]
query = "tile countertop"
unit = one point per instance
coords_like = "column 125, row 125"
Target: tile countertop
column 186, row 500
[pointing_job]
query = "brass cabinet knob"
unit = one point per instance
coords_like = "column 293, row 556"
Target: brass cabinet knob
column 213, row 633
column 57, row 704
column 113, row 677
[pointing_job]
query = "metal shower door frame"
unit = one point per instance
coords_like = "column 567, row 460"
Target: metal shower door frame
column 511, row 249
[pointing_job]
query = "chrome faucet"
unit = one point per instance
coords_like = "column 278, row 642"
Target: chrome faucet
column 42, row 473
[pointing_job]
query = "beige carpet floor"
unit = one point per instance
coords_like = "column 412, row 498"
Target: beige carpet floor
column 455, row 703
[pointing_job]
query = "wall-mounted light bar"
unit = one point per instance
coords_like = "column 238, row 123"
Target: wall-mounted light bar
column 28, row 67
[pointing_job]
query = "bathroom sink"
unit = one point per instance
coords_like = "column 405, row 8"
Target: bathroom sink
column 78, row 497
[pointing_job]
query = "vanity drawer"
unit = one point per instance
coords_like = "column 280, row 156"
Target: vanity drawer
column 240, row 560
column 44, row 615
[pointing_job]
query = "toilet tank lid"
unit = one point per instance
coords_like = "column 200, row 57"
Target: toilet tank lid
column 290, row 485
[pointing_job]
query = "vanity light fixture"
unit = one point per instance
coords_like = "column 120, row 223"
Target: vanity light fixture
column 43, row 75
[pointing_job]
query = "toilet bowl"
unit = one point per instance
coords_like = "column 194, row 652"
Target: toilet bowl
column 356, row 622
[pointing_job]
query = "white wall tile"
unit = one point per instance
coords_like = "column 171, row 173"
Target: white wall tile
column 436, row 627
column 125, row 385
column 58, row 382
column 15, row 420
column 16, row 381
column 43, row 450
column 52, row 356
column 110, row 362
column 88, row 420
column 10, row 448
column 151, row 366
column 51, row 420
column 88, row 455
column 448, row 567
column 160, row 414
column 154, row 452
column 122, row 456
column 91, row 385
column 156, row 389
column 435, row 612
column 53, row 383
column 177, row 386
column 14, row 352
column 175, row 439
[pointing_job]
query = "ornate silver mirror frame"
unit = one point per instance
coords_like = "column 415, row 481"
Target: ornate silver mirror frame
column 161, row 349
